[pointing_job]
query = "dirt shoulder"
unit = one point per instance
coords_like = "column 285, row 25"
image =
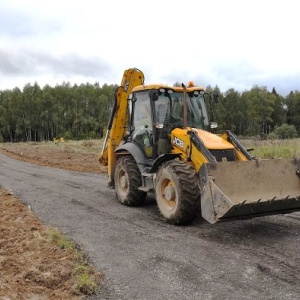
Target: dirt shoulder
column 33, row 265
column 75, row 156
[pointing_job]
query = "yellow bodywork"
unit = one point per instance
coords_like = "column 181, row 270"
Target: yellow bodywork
column 235, row 186
column 189, row 151
column 241, row 188
column 115, row 134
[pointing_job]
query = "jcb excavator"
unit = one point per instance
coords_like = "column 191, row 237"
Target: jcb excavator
column 160, row 140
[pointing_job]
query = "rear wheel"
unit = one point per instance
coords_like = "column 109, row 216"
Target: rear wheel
column 177, row 192
column 127, row 181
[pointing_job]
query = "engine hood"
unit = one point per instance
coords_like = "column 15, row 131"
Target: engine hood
column 213, row 141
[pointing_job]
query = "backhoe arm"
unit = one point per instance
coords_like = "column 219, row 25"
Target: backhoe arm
column 117, row 123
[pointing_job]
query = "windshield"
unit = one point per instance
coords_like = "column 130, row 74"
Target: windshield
column 197, row 113
column 169, row 110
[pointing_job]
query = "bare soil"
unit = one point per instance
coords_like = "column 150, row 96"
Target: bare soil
column 31, row 266
column 68, row 156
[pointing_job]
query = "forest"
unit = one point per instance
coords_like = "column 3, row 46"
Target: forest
column 82, row 112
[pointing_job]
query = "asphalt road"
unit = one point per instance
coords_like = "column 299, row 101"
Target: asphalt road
column 144, row 258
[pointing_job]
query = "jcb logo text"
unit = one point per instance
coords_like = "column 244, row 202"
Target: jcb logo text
column 178, row 142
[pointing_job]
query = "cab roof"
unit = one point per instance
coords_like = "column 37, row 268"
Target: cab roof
column 158, row 86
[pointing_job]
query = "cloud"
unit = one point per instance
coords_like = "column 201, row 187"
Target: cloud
column 17, row 23
column 230, row 44
column 31, row 63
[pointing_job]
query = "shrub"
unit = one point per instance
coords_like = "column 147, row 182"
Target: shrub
column 272, row 136
column 286, row 131
column 94, row 135
column 88, row 144
column 68, row 135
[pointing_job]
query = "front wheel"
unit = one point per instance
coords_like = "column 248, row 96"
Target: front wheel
column 177, row 192
column 127, row 181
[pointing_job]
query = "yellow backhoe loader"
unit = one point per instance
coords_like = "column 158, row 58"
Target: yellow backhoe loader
column 160, row 140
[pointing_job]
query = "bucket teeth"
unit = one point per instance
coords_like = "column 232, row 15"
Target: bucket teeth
column 271, row 200
column 241, row 204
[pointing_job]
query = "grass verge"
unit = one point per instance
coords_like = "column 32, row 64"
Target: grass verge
column 86, row 278
column 274, row 148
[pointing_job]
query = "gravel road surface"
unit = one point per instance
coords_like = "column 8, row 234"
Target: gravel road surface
column 142, row 257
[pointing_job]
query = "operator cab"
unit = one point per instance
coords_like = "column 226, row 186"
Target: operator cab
column 156, row 110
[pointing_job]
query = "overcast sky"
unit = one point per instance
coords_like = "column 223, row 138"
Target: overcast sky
column 229, row 43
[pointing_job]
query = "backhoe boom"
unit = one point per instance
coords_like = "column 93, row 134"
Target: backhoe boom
column 116, row 128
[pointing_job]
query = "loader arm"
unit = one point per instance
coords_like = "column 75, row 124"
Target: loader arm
column 116, row 128
column 233, row 184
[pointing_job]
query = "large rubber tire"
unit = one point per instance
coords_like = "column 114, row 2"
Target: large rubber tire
column 177, row 192
column 127, row 180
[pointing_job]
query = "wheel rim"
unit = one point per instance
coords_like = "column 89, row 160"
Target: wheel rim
column 168, row 194
column 123, row 182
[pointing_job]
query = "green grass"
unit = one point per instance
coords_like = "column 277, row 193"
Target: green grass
column 274, row 148
column 262, row 148
column 82, row 146
column 84, row 279
column 59, row 239
column 87, row 279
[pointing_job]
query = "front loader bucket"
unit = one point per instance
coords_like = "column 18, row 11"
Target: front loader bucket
column 246, row 189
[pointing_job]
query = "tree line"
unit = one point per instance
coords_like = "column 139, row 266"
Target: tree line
column 69, row 111
column 258, row 112
column 82, row 111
